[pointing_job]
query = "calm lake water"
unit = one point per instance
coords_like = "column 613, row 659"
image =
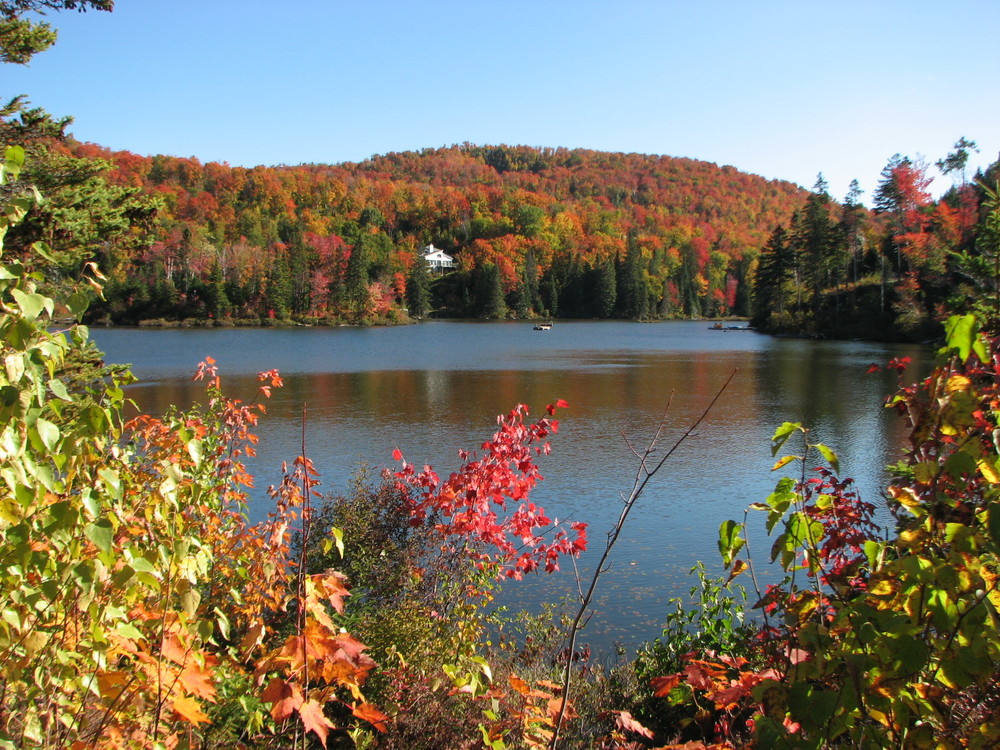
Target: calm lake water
column 434, row 388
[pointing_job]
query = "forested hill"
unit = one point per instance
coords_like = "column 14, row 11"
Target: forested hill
column 547, row 232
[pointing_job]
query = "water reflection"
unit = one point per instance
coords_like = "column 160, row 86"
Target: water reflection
column 433, row 389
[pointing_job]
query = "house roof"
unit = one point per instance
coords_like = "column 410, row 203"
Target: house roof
column 431, row 252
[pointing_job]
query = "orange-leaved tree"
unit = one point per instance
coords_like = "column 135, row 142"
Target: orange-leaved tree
column 137, row 600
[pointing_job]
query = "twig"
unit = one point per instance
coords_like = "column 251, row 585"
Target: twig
column 643, row 475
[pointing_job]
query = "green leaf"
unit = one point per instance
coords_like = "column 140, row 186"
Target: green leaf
column 782, row 434
column 48, row 433
column 830, row 456
column 31, row 305
column 58, row 389
column 130, row 631
column 101, row 533
column 77, row 303
column 44, row 250
column 962, row 333
column 993, row 521
column 222, row 621
column 730, row 541
column 12, row 163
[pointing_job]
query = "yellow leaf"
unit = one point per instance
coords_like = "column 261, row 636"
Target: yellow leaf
column 989, row 472
column 957, row 383
column 783, row 461
column 738, row 567
column 883, row 587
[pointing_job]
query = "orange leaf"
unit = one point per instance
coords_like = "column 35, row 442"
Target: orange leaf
column 331, row 586
column 738, row 567
column 198, row 681
column 284, row 696
column 626, row 722
column 519, row 685
column 253, row 638
column 314, row 720
column 111, row 684
column 368, row 712
column 663, row 685
column 173, row 649
column 555, row 705
column 189, row 710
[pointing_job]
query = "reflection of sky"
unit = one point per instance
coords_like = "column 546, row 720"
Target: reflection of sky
column 362, row 401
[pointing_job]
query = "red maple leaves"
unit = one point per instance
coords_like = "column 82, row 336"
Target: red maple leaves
column 469, row 507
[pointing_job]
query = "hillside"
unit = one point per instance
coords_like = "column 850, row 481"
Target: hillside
column 554, row 232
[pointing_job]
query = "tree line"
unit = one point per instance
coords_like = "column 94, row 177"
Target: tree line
column 893, row 272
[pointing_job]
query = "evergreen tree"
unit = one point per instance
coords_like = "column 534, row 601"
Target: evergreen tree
column 216, row 302
column 531, row 281
column 490, row 302
column 954, row 163
column 356, row 279
column 606, row 289
column 278, row 290
column 519, row 300
column 775, row 270
column 632, row 289
column 550, row 293
column 815, row 240
column 851, row 228
column 418, row 289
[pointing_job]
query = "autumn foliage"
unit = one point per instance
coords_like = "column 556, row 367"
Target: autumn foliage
column 468, row 508
column 532, row 232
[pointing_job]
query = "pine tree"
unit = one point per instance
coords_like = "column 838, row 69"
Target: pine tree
column 356, row 279
column 605, row 289
column 418, row 289
column 632, row 289
column 815, row 240
column 490, row 302
column 278, row 288
column 531, row 287
column 851, row 226
column 775, row 270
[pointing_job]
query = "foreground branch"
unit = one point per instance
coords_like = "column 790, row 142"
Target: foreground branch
column 643, row 475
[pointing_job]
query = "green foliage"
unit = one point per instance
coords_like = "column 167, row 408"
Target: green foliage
column 418, row 289
column 981, row 265
column 712, row 618
column 890, row 642
column 134, row 592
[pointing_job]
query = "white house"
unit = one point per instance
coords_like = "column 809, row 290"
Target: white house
column 437, row 260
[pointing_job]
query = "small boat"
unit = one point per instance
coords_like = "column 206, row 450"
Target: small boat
column 543, row 326
column 715, row 327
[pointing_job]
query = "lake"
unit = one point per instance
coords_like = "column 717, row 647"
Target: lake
column 436, row 387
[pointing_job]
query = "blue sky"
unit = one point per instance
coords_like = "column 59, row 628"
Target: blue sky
column 781, row 89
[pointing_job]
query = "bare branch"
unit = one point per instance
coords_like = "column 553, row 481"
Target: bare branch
column 643, row 475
